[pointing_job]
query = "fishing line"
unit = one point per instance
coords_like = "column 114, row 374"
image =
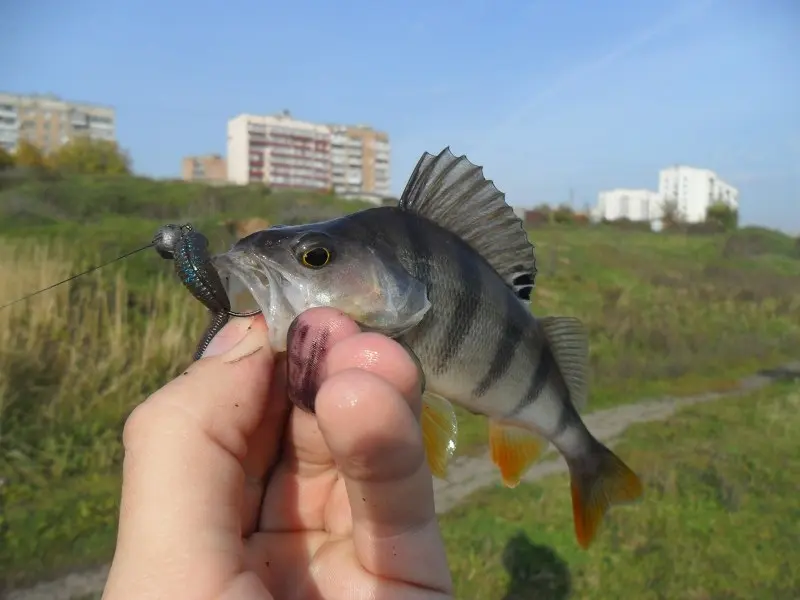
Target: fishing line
column 89, row 270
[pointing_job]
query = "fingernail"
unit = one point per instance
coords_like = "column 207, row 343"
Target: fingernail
column 229, row 337
column 306, row 350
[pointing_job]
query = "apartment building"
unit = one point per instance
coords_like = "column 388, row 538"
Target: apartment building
column 206, row 168
column 693, row 190
column 280, row 151
column 48, row 121
column 360, row 162
column 625, row 203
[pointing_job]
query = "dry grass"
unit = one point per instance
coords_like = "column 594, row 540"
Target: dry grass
column 73, row 362
column 77, row 356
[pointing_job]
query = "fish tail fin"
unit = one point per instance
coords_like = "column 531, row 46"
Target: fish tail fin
column 599, row 480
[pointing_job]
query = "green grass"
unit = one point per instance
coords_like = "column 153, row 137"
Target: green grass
column 720, row 517
column 666, row 314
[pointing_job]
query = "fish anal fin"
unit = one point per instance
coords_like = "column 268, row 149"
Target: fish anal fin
column 513, row 450
column 597, row 483
column 453, row 192
column 439, row 432
column 569, row 343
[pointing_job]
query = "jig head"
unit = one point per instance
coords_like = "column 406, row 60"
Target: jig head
column 188, row 249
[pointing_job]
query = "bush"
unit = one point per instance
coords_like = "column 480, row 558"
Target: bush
column 537, row 218
column 726, row 217
column 564, row 215
column 55, row 196
column 672, row 218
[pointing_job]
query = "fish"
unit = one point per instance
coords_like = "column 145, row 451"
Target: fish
column 449, row 273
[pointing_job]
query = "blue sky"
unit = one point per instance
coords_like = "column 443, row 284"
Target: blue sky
column 552, row 97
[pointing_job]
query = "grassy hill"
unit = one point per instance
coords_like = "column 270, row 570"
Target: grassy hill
column 55, row 198
column 666, row 313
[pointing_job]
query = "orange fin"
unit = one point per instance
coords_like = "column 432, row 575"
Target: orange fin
column 439, row 432
column 598, row 482
column 513, row 450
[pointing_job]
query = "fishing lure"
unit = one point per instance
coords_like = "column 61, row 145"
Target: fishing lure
column 188, row 249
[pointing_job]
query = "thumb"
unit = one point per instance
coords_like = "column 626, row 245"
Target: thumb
column 183, row 473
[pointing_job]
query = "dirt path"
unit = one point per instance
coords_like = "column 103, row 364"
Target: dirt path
column 466, row 475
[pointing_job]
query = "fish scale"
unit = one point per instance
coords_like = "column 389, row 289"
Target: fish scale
column 449, row 272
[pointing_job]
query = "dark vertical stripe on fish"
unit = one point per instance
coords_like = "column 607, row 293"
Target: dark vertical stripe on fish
column 419, row 247
column 504, row 353
column 547, row 364
column 464, row 312
column 564, row 419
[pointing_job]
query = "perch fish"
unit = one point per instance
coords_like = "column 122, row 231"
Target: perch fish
column 449, row 273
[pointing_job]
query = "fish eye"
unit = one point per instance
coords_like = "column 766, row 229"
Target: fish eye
column 316, row 258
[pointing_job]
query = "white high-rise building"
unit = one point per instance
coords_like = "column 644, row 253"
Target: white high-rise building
column 693, row 190
column 632, row 204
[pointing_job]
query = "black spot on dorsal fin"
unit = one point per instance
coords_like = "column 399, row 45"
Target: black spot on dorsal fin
column 453, row 192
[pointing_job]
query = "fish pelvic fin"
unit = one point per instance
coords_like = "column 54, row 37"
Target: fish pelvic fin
column 439, row 432
column 598, row 481
column 453, row 192
column 514, row 450
column 569, row 343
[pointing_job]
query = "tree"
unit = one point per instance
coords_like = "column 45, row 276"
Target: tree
column 671, row 215
column 564, row 214
column 29, row 156
column 722, row 214
column 6, row 159
column 91, row 157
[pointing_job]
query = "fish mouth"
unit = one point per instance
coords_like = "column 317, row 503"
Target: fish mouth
column 243, row 280
column 254, row 283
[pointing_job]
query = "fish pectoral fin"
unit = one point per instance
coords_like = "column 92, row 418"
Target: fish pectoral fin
column 514, row 450
column 598, row 482
column 439, row 432
column 569, row 344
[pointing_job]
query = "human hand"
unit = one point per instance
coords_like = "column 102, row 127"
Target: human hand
column 229, row 492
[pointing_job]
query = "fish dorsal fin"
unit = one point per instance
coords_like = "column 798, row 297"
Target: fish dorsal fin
column 452, row 192
column 569, row 344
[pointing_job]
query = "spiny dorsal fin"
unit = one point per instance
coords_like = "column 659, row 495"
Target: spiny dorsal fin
column 569, row 344
column 452, row 192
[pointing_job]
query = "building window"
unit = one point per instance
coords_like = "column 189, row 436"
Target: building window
column 623, row 206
